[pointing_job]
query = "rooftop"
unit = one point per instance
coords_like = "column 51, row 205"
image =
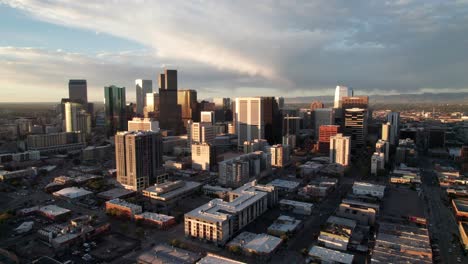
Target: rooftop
column 461, row 205
column 215, row 259
column 173, row 189
column 258, row 243
column 296, row 203
column 284, row 184
column 114, row 193
column 369, row 186
column 341, row 221
column 53, row 210
column 72, row 192
column 284, row 224
column 169, row 255
column 331, row 255
column 155, row 216
column 124, row 203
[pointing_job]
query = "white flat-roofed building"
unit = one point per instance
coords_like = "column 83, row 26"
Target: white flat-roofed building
column 53, row 212
column 218, row 220
column 365, row 188
column 284, row 185
column 73, row 193
column 8, row 175
column 284, row 225
column 296, row 207
column 170, row 191
column 215, row 259
column 256, row 244
column 326, row 255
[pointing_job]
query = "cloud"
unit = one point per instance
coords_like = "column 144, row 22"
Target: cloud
column 303, row 47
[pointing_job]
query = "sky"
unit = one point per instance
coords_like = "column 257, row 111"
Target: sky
column 233, row 48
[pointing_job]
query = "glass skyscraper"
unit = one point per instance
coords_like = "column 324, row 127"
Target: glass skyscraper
column 116, row 118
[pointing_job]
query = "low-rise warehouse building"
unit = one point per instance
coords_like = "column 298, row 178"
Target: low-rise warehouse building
column 73, row 193
column 159, row 220
column 284, row 185
column 170, row 191
column 165, row 254
column 326, row 255
column 296, row 207
column 460, row 207
column 215, row 259
column 284, row 225
column 397, row 243
column 115, row 193
column 365, row 188
column 121, row 207
column 256, row 244
column 54, row 212
column 363, row 215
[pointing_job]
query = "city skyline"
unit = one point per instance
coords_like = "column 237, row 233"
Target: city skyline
column 401, row 47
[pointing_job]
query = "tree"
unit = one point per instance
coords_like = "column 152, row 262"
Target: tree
column 304, row 252
column 236, row 250
column 175, row 243
column 285, row 237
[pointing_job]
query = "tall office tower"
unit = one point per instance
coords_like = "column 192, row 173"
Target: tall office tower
column 340, row 148
column 143, row 124
column 325, row 133
column 272, row 120
column 356, row 127
column 249, row 120
column 316, row 105
column 143, row 87
column 187, row 99
column 386, row 131
column 222, row 103
column 355, row 102
column 207, row 117
column 203, row 156
column 340, row 92
column 280, row 155
column 170, row 113
column 322, row 117
column 207, row 106
column 77, row 119
column 255, row 145
column 201, row 133
column 280, row 102
column 152, row 105
column 115, row 107
column 78, row 91
column 292, row 125
column 377, row 162
column 382, row 146
column 394, row 119
column 138, row 158
column 464, row 158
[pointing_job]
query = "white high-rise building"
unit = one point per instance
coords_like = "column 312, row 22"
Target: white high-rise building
column 394, row 119
column 143, row 87
column 77, row 119
column 207, row 117
column 386, row 131
column 203, row 156
column 143, row 124
column 249, row 119
column 340, row 148
column 377, row 162
column 340, row 92
column 382, row 146
column 198, row 132
column 280, row 155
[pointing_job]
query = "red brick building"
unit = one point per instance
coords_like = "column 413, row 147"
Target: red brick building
column 325, row 132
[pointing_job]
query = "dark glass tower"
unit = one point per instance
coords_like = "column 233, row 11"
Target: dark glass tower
column 116, row 118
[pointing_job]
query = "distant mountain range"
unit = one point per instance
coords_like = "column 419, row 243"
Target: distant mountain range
column 433, row 98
